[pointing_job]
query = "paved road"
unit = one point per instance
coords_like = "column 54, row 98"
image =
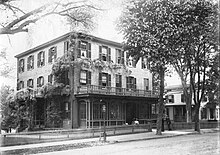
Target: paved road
column 205, row 144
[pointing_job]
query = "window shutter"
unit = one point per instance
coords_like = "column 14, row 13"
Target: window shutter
column 120, row 81
column 127, row 58
column 43, row 58
column 38, row 59
column 32, row 64
column 123, row 57
column 100, row 52
column 38, row 82
column 88, row 50
column 55, row 53
column 42, row 81
column 29, row 63
column 135, row 83
column 172, row 98
column 109, row 55
column 109, row 80
column 100, row 79
column 88, row 78
column 50, row 55
column 79, row 49
column 127, row 82
column 133, row 63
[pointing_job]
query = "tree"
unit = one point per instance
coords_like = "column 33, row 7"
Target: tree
column 5, row 68
column 17, row 19
column 195, row 40
column 146, row 31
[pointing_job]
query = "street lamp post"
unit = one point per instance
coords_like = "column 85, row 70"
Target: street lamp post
column 104, row 112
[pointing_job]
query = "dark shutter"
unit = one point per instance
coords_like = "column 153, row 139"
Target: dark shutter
column 32, row 65
column 50, row 55
column 133, row 63
column 120, row 81
column 89, row 50
column 109, row 55
column 142, row 63
column 38, row 59
column 29, row 63
column 88, row 78
column 100, row 52
column 123, row 57
column 43, row 58
column 135, row 83
column 127, row 82
column 79, row 49
column 55, row 53
column 127, row 56
column 38, row 82
column 100, row 79
column 109, row 80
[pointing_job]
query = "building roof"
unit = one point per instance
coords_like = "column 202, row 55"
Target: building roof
column 64, row 37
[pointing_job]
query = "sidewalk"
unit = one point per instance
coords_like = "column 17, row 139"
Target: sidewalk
column 112, row 139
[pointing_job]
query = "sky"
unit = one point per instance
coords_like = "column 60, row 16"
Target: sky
column 50, row 28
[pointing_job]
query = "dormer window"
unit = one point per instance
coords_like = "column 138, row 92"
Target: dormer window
column 21, row 66
column 41, row 59
column 104, row 53
column 130, row 61
column 84, row 50
column 30, row 62
column 20, row 85
column 52, row 54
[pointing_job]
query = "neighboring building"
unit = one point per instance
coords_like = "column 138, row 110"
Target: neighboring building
column 124, row 88
column 176, row 106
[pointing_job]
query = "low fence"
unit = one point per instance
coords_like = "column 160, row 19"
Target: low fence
column 57, row 135
column 184, row 125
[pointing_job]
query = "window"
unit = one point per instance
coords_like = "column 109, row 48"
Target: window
column 130, row 61
column 130, row 83
column 170, row 98
column 145, row 63
column 118, row 81
column 21, row 66
column 20, row 85
column 30, row 62
column 66, row 47
column 85, row 77
column 119, row 56
column 84, row 50
column 30, row 83
column 40, row 81
column 146, row 84
column 154, row 109
column 50, row 78
column 183, row 98
column 104, row 80
column 104, row 53
column 40, row 59
column 52, row 54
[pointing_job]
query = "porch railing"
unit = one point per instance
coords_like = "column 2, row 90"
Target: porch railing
column 94, row 89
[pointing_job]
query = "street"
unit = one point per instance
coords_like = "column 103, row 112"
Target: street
column 204, row 144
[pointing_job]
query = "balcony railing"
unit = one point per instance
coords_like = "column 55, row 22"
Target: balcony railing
column 93, row 89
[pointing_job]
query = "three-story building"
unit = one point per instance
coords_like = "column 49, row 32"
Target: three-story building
column 102, row 80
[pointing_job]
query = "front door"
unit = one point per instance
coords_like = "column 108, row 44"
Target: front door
column 83, row 115
column 130, row 113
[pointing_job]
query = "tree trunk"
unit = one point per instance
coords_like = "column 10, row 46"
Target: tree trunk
column 197, row 122
column 161, row 102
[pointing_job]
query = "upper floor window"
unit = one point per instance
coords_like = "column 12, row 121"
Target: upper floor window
column 50, row 78
column 66, row 47
column 85, row 77
column 183, row 98
column 104, row 79
column 21, row 66
column 84, row 50
column 145, row 63
column 30, row 62
column 40, row 81
column 30, row 83
column 52, row 54
column 119, row 56
column 170, row 98
column 130, row 61
column 146, row 84
column 104, row 53
column 130, row 83
column 41, row 59
column 118, row 81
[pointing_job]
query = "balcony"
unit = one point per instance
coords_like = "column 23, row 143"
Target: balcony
column 93, row 89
